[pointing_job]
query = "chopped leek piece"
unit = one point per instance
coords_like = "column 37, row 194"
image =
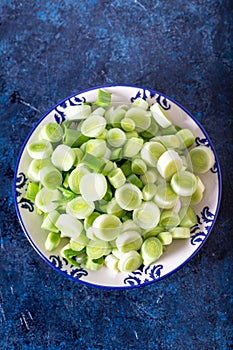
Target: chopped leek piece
column 135, row 180
column 63, row 157
column 184, row 183
column 77, row 112
column 94, row 163
column 107, row 227
column 129, row 240
column 165, row 197
column 149, row 177
column 169, row 163
column 138, row 166
column 128, row 124
column 49, row 221
column 47, row 200
column 103, row 98
column 51, row 177
column 147, row 215
column 96, row 147
column 116, row 177
column 52, row 132
column 165, row 237
column 180, row 232
column 75, row 177
column 74, row 138
column 151, row 250
column 35, row 167
column 97, row 249
column 69, row 226
column 116, row 137
column 130, row 261
column 169, row 141
column 132, row 147
column 140, row 117
column 151, row 151
column 169, row 219
column 112, row 263
column 186, row 138
column 153, row 233
column 149, row 191
column 128, row 196
column 93, row 186
column 40, row 149
column 160, row 116
column 52, row 241
column 188, row 217
column 32, row 191
column 79, row 208
column 198, row 194
column 93, row 126
column 94, row 264
column 202, row 159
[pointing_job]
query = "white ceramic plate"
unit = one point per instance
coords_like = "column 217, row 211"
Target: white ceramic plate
column 178, row 253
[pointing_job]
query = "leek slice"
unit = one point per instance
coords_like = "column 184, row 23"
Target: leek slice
column 47, row 200
column 97, row 249
column 79, row 208
column 75, row 177
column 107, row 227
column 129, row 240
column 51, row 177
column 63, row 157
column 93, row 126
column 140, row 116
column 93, row 186
column 169, row 163
column 147, row 215
column 112, row 263
column 35, row 167
column 116, row 137
column 116, row 177
column 130, row 261
column 188, row 217
column 138, row 166
column 40, row 149
column 151, row 250
column 52, row 132
column 128, row 196
column 69, row 226
column 165, row 237
column 149, row 191
column 160, row 116
column 184, row 183
column 165, row 197
column 169, row 219
column 49, row 221
column 180, row 232
column 52, row 241
column 186, row 138
column 198, row 194
column 96, row 147
column 202, row 159
column 151, row 151
column 132, row 147
column 77, row 112
column 128, row 124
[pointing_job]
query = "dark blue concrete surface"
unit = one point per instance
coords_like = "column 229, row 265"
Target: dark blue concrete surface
column 52, row 49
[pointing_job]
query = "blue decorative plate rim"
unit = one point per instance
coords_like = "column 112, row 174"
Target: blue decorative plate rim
column 154, row 268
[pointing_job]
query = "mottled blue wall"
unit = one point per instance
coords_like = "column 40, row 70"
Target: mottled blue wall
column 52, row 49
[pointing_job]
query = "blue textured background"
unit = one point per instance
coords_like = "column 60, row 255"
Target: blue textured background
column 52, row 49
